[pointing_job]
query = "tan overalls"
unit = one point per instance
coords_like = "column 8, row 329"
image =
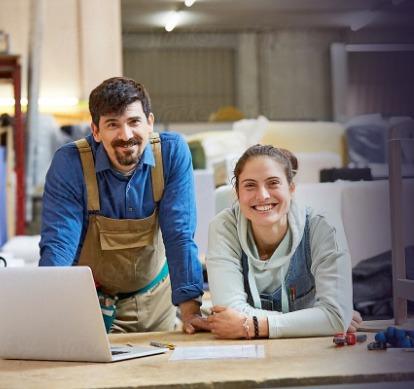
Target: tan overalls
column 127, row 256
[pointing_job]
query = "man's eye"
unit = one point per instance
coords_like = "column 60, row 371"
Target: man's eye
column 274, row 183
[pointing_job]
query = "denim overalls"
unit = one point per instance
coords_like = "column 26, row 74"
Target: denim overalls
column 299, row 281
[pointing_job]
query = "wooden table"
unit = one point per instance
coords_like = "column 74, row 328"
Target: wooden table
column 287, row 362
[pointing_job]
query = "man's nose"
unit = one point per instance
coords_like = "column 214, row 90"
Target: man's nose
column 125, row 132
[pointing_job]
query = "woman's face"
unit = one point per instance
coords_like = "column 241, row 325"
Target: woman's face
column 264, row 192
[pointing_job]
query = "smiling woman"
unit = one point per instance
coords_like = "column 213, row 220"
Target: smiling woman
column 264, row 187
column 275, row 269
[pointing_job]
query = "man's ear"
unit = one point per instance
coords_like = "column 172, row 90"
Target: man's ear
column 151, row 120
column 95, row 132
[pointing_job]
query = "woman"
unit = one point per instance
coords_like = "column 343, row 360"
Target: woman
column 275, row 268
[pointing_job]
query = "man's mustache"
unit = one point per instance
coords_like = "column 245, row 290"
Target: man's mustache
column 129, row 143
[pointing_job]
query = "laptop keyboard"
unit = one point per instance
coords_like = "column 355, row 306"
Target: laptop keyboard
column 118, row 352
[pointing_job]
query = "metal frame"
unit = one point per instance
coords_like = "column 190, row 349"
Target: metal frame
column 339, row 70
column 403, row 288
column 10, row 69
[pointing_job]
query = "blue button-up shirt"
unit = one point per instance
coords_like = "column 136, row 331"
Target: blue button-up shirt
column 65, row 214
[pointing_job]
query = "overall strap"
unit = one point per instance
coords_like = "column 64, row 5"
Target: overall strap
column 245, row 270
column 88, row 167
column 157, row 172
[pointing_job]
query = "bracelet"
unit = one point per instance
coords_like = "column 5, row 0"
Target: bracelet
column 246, row 327
column 256, row 327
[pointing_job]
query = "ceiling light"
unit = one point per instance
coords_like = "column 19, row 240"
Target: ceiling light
column 172, row 20
column 189, row 3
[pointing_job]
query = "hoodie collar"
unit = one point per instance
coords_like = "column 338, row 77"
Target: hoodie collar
column 296, row 219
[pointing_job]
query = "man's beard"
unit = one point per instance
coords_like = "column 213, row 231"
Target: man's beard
column 127, row 157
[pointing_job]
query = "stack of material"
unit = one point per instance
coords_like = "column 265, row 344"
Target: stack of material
column 22, row 250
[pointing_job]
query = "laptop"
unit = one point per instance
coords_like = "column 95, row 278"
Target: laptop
column 53, row 314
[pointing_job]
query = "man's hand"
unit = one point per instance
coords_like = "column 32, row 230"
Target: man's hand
column 356, row 322
column 191, row 317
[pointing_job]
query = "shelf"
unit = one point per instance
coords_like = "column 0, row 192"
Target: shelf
column 10, row 69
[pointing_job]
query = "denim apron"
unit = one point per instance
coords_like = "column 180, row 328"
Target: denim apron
column 127, row 256
column 298, row 282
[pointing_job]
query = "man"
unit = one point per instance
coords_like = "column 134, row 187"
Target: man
column 107, row 200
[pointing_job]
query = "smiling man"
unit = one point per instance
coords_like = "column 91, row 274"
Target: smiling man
column 122, row 202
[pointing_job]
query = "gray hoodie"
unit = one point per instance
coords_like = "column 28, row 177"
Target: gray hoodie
column 230, row 233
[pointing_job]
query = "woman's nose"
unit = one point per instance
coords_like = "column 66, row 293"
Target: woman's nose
column 263, row 193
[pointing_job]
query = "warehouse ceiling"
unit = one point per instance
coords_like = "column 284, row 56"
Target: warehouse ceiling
column 262, row 15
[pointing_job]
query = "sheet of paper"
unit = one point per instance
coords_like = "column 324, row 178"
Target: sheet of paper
column 218, row 352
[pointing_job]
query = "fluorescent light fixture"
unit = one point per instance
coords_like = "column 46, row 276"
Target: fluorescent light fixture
column 43, row 101
column 6, row 101
column 172, row 20
column 59, row 101
column 9, row 101
column 189, row 3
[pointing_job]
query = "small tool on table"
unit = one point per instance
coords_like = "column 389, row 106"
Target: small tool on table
column 163, row 345
column 349, row 339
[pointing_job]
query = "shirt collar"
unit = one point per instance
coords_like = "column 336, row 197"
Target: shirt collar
column 102, row 161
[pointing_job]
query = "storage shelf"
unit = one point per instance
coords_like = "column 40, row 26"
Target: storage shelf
column 10, row 69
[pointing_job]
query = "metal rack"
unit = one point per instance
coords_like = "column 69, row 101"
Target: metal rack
column 10, row 69
column 403, row 288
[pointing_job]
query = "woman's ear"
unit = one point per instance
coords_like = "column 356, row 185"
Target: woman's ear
column 292, row 188
column 236, row 191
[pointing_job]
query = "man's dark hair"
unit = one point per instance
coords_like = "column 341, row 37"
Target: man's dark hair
column 113, row 96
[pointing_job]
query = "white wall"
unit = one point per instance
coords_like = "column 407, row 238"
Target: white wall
column 81, row 44
column 282, row 74
column 14, row 19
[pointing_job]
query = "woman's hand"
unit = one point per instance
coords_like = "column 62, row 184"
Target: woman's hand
column 227, row 323
column 356, row 322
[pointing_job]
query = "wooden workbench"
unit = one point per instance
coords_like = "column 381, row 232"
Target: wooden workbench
column 287, row 362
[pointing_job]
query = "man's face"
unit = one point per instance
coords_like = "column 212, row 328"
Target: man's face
column 124, row 136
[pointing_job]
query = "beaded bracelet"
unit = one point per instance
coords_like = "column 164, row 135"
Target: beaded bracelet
column 256, row 327
column 246, row 327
